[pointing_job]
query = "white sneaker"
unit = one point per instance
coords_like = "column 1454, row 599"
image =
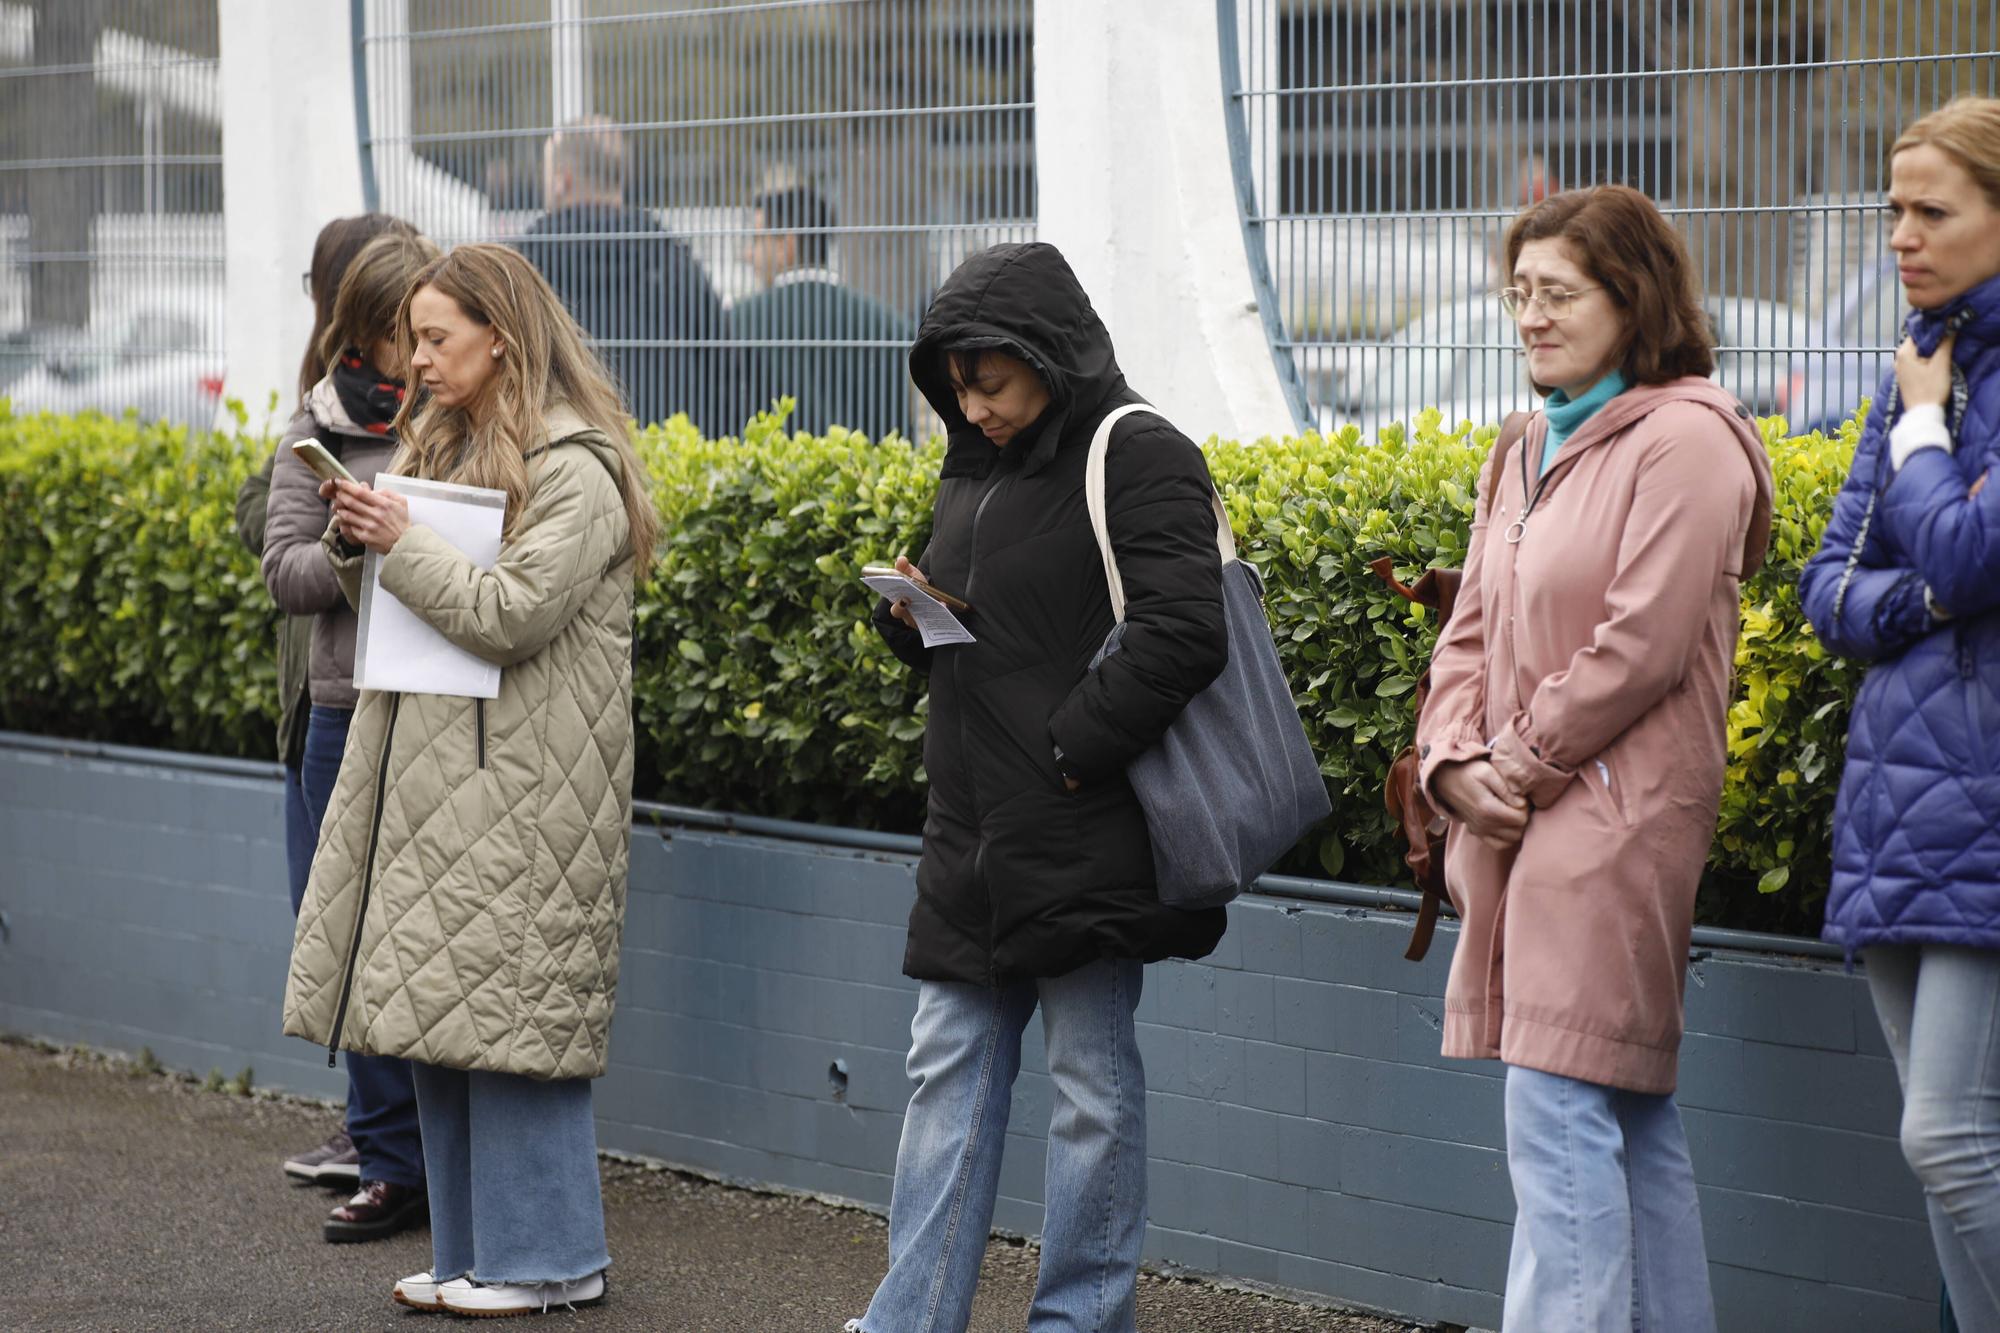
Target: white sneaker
column 419, row 1291
column 491, row 1300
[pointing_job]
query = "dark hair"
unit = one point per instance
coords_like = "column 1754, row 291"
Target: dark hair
column 1631, row 251
column 371, row 293
column 799, row 210
column 339, row 241
column 969, row 361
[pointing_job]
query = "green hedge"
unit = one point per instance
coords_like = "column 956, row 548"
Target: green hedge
column 133, row 616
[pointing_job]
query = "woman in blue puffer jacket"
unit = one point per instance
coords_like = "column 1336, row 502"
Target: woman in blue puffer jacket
column 1907, row 578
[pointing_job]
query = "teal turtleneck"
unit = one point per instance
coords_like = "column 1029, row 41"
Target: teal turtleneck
column 1567, row 414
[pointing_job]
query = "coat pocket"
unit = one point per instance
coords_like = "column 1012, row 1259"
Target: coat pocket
column 1601, row 775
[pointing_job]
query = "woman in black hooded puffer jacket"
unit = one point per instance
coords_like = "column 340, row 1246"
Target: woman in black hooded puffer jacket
column 1036, row 883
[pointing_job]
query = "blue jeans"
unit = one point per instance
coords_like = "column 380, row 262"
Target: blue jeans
column 1940, row 1011
column 1607, row 1231
column 301, row 836
column 513, row 1171
column 965, row 1049
column 381, row 1103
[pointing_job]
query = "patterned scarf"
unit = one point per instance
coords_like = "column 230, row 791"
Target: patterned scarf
column 369, row 400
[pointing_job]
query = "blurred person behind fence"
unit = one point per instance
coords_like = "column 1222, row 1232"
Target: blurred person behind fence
column 469, row 893
column 630, row 283
column 1907, row 579
column 336, row 1162
column 1036, row 886
column 1575, row 739
column 862, row 386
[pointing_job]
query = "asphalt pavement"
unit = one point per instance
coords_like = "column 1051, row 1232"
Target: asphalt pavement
column 133, row 1201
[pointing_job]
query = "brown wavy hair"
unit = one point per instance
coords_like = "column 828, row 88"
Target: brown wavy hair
column 338, row 242
column 1620, row 239
column 371, row 294
column 1967, row 130
column 548, row 361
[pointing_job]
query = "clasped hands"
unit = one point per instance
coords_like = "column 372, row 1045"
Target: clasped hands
column 1477, row 796
column 374, row 519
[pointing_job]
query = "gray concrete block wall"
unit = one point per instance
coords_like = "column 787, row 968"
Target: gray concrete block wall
column 1304, row 1131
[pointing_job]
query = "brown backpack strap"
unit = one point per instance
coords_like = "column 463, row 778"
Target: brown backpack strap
column 1427, row 921
column 1512, row 431
column 1406, row 798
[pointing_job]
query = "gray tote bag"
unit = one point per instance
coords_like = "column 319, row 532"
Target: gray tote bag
column 1234, row 783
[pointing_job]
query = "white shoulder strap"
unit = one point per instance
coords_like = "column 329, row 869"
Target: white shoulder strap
column 1093, row 495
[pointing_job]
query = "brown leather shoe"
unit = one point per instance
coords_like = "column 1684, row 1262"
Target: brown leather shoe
column 379, row 1210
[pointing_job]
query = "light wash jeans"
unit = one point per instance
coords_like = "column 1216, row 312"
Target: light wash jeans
column 512, row 1163
column 965, row 1049
column 1940, row 1011
column 1607, row 1233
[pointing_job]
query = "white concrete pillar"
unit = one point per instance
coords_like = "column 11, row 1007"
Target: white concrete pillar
column 1132, row 155
column 290, row 164
column 569, row 62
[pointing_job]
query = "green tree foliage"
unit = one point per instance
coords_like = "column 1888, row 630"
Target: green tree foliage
column 134, row 616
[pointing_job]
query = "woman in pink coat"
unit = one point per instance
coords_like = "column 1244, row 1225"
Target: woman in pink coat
column 1575, row 739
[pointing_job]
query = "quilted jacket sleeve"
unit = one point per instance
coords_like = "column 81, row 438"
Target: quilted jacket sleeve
column 344, row 559
column 570, row 531
column 906, row 643
column 1451, row 729
column 1176, row 640
column 1882, row 611
column 296, row 571
column 1684, row 533
column 1953, row 540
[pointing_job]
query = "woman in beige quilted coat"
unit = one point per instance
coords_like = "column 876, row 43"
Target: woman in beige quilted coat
column 466, row 900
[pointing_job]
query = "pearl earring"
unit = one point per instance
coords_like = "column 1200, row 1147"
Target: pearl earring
column 496, row 353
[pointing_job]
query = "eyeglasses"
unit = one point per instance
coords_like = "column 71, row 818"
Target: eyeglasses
column 306, row 282
column 1556, row 302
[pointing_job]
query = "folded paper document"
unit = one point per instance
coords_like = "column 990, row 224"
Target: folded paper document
column 934, row 619
column 395, row 648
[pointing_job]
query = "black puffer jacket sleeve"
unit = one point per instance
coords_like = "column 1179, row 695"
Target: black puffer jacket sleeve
column 907, row 644
column 1176, row 640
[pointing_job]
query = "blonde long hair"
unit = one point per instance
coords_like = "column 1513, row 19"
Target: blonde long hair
column 548, row 361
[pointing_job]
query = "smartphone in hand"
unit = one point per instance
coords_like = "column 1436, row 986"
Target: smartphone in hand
column 890, row 571
column 324, row 465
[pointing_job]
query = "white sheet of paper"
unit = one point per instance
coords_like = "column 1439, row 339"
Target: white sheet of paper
column 396, row 649
column 934, row 619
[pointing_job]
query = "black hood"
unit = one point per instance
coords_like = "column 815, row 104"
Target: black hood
column 1024, row 300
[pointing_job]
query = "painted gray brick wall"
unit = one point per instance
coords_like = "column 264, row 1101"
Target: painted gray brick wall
column 1304, row 1131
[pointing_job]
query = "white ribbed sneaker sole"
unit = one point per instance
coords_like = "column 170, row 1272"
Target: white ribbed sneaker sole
column 419, row 1291
column 502, row 1299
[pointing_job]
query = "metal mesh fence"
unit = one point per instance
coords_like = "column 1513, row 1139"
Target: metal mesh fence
column 1391, row 141
column 738, row 200
column 111, row 207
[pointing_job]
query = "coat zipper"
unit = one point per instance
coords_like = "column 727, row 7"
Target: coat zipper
column 979, row 854
column 972, row 559
column 992, row 914
column 367, row 882
column 479, row 721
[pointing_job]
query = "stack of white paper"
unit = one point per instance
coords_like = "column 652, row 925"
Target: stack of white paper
column 395, row 649
column 935, row 622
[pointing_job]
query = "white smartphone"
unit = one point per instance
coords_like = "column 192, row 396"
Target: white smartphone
column 324, row 465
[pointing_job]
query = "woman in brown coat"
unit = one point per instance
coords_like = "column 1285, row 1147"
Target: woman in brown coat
column 1576, row 740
